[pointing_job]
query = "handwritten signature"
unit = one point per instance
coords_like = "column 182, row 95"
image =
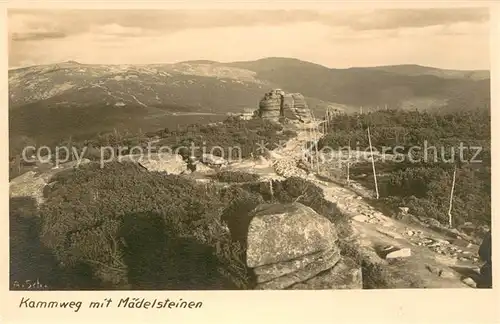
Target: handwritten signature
column 29, row 284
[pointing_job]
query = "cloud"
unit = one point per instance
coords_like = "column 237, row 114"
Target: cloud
column 118, row 30
column 146, row 36
column 36, row 36
column 382, row 19
column 78, row 21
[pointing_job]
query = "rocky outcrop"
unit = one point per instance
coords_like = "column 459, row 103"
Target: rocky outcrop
column 213, row 160
column 29, row 184
column 300, row 107
column 290, row 246
column 160, row 162
column 32, row 183
column 270, row 105
column 289, row 107
column 345, row 274
column 277, row 103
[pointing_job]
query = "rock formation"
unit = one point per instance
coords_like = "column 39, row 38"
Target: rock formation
column 300, row 107
column 32, row 183
column 290, row 246
column 160, row 162
column 213, row 160
column 270, row 105
column 288, row 107
column 277, row 103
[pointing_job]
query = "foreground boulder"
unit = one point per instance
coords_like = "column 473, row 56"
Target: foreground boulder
column 288, row 244
column 345, row 274
column 283, row 232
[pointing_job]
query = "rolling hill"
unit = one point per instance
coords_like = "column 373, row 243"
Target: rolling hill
column 49, row 102
column 405, row 86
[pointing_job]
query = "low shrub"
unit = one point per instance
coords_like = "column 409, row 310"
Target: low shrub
column 144, row 229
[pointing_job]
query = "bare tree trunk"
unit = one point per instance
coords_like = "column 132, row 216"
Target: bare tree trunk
column 315, row 134
column 348, row 162
column 18, row 162
column 450, row 219
column 373, row 163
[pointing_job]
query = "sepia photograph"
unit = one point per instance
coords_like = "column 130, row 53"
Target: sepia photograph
column 225, row 149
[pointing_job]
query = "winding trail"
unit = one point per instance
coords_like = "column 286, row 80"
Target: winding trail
column 435, row 262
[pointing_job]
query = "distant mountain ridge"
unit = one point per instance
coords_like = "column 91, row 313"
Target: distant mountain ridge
column 414, row 69
column 71, row 97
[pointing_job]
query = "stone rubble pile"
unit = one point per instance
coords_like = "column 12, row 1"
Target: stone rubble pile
column 361, row 212
column 440, row 246
column 454, row 248
column 288, row 168
column 290, row 246
column 441, row 272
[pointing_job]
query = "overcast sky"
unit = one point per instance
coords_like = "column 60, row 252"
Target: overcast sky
column 447, row 38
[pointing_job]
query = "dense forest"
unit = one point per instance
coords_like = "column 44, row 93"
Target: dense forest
column 418, row 179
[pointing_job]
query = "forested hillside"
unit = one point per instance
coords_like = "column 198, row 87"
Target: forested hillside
column 427, row 147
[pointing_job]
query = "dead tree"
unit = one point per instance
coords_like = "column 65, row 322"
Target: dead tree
column 450, row 219
column 373, row 163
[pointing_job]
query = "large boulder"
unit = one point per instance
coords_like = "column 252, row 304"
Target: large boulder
column 330, row 259
column 269, row 272
column 290, row 246
column 345, row 274
column 284, row 232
